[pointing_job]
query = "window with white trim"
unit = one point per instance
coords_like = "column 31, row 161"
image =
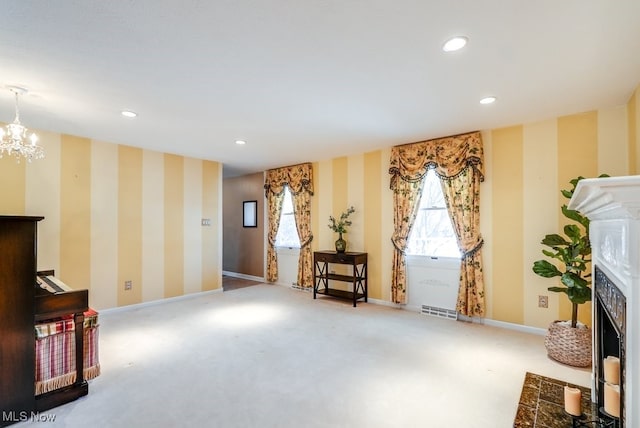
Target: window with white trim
column 287, row 235
column 432, row 234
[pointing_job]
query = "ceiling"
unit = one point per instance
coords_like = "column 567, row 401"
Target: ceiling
column 308, row 80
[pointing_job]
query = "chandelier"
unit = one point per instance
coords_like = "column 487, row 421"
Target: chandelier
column 13, row 137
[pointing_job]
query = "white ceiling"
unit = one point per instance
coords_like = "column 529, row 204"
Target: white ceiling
column 308, row 80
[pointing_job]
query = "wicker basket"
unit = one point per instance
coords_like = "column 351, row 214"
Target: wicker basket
column 571, row 346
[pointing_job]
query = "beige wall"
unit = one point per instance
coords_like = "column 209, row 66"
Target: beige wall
column 633, row 123
column 525, row 167
column 243, row 247
column 508, row 217
column 115, row 213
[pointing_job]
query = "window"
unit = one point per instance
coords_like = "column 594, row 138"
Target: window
column 432, row 233
column 287, row 233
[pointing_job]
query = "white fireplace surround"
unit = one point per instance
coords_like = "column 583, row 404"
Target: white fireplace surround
column 612, row 205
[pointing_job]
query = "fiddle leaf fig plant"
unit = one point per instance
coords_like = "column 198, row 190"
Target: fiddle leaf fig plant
column 573, row 252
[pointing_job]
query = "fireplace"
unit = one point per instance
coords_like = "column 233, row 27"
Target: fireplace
column 609, row 328
column 613, row 206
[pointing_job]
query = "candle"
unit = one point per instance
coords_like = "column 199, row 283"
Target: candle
column 572, row 398
column 612, row 370
column 612, row 399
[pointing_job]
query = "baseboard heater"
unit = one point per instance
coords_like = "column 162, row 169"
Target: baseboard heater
column 434, row 311
column 297, row 287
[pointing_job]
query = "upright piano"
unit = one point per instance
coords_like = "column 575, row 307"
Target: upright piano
column 48, row 333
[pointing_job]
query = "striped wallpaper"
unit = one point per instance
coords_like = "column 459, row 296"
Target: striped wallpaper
column 115, row 213
column 526, row 167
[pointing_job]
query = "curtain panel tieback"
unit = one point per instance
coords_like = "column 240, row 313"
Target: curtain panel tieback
column 473, row 250
column 307, row 242
column 399, row 244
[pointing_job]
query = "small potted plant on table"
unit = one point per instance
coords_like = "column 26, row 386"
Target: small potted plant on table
column 340, row 227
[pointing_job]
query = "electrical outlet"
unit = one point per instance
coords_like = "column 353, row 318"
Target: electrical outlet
column 543, row 301
column 127, row 285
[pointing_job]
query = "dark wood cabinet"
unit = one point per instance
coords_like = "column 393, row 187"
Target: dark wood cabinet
column 17, row 295
column 323, row 275
column 21, row 307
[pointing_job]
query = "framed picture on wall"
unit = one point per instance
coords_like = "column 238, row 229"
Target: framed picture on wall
column 250, row 214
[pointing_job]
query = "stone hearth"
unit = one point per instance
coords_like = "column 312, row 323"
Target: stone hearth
column 542, row 403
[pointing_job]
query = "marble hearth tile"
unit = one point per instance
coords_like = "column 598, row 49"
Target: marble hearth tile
column 525, row 417
column 541, row 403
column 552, row 391
column 551, row 415
column 529, row 396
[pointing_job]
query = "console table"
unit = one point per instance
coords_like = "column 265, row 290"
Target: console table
column 322, row 275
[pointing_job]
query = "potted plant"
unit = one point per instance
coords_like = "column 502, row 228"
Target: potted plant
column 569, row 342
column 340, row 227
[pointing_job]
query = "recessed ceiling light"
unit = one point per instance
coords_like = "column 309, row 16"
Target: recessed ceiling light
column 488, row 100
column 129, row 113
column 241, row 142
column 454, row 44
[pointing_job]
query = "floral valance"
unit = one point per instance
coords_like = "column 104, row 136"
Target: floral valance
column 449, row 156
column 298, row 177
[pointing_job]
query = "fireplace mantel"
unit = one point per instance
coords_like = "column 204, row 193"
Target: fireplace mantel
column 608, row 198
column 612, row 205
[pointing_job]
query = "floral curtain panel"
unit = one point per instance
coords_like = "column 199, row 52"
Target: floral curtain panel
column 406, row 201
column 462, row 195
column 302, row 213
column 299, row 178
column 458, row 161
column 274, row 210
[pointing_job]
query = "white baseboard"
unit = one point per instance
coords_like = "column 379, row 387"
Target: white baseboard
column 294, row 287
column 243, row 276
column 281, row 284
column 484, row 321
column 385, row 303
column 412, row 308
column 157, row 302
column 517, row 327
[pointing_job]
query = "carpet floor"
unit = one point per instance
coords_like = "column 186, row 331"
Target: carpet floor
column 271, row 356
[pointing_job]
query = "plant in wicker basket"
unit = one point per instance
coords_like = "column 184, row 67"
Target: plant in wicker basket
column 569, row 343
